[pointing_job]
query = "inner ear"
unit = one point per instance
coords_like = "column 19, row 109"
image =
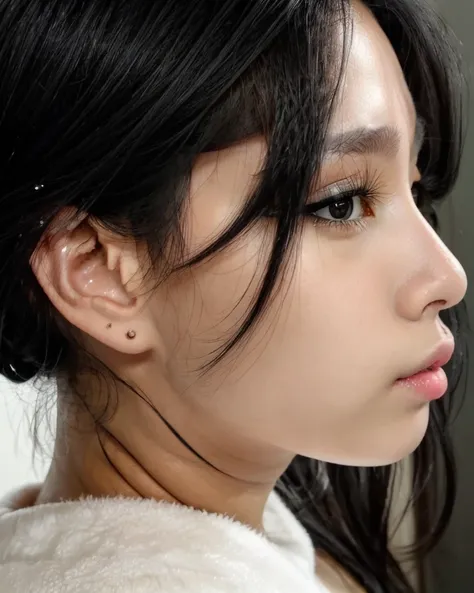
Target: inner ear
column 81, row 261
column 95, row 269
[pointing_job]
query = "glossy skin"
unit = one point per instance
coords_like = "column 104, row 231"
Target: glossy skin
column 317, row 376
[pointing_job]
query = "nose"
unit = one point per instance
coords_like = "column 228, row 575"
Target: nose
column 435, row 281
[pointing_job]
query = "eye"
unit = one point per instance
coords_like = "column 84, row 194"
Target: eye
column 343, row 209
column 348, row 208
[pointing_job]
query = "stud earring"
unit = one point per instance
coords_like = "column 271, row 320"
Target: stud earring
column 131, row 335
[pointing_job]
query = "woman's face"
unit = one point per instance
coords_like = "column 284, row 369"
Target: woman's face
column 359, row 306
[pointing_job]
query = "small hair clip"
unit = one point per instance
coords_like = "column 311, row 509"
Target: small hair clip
column 39, row 186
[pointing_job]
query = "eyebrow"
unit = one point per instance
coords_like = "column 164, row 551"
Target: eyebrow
column 384, row 140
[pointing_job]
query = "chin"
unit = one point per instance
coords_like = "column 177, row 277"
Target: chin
column 402, row 442
column 393, row 444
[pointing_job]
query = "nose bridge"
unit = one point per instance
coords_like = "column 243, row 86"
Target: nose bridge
column 436, row 278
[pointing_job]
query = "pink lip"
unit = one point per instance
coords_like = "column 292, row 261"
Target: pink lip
column 430, row 382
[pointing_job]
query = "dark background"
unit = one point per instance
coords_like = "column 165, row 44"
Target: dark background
column 452, row 565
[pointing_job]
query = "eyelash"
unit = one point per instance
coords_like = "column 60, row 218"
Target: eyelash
column 363, row 186
column 367, row 189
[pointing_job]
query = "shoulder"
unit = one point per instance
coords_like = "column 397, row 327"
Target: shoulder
column 145, row 546
column 334, row 577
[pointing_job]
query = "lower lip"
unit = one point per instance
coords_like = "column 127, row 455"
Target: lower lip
column 428, row 385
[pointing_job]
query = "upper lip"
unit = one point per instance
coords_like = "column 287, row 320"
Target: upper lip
column 438, row 358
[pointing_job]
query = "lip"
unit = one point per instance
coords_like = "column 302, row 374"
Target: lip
column 437, row 359
column 428, row 382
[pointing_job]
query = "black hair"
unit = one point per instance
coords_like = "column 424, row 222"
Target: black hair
column 104, row 107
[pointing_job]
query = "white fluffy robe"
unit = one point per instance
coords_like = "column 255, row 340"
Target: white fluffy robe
column 120, row 545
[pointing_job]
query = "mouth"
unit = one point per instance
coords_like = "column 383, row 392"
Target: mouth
column 428, row 381
column 440, row 357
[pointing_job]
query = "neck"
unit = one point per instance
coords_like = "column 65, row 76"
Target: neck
column 136, row 454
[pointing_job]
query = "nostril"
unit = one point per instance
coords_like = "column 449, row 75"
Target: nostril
column 439, row 305
column 434, row 308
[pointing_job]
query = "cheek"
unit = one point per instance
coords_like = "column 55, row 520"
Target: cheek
column 309, row 341
column 205, row 306
column 317, row 351
column 342, row 292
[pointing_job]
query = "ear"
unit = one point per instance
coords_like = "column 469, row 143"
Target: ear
column 94, row 279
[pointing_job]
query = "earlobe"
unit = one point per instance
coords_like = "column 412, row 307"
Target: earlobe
column 84, row 272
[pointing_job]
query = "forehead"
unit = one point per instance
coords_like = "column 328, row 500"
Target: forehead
column 374, row 92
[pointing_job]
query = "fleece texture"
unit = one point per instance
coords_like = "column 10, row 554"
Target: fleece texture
column 117, row 545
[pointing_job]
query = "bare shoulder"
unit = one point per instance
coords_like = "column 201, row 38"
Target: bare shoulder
column 334, row 577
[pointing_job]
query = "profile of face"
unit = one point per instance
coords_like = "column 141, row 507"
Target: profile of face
column 358, row 307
